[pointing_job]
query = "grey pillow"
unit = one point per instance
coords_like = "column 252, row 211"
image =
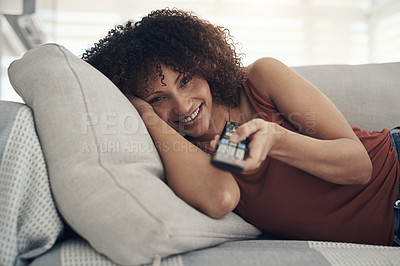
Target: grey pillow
column 105, row 172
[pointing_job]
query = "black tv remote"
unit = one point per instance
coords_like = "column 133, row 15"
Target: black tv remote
column 230, row 156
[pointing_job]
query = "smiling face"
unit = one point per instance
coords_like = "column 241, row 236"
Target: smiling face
column 182, row 100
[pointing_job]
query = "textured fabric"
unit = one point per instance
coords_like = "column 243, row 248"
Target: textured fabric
column 29, row 223
column 8, row 110
column 251, row 252
column 341, row 254
column 286, row 201
column 79, row 253
column 105, row 172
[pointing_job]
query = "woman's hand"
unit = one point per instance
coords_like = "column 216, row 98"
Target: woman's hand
column 145, row 110
column 141, row 105
column 262, row 135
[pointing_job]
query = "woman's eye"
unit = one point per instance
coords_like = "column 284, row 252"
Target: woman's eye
column 156, row 99
column 186, row 79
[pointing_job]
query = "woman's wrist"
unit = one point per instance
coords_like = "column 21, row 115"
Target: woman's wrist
column 279, row 140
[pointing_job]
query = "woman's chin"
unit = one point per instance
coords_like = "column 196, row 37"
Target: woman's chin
column 196, row 132
column 193, row 134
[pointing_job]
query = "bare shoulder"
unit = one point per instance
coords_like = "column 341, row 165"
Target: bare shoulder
column 263, row 64
column 266, row 74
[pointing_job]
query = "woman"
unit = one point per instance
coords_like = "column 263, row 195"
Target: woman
column 320, row 181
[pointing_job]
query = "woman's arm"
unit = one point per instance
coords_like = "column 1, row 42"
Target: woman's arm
column 328, row 147
column 188, row 169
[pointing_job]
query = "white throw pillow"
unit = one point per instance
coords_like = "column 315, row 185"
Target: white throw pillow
column 105, row 173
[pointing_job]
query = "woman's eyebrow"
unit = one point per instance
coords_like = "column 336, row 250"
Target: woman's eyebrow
column 177, row 78
column 151, row 93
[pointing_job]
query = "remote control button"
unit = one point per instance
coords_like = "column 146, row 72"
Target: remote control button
column 239, row 154
column 231, row 151
column 232, row 144
column 241, row 146
column 222, row 148
column 224, row 141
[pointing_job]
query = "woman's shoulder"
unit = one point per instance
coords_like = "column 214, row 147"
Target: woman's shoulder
column 264, row 64
column 263, row 73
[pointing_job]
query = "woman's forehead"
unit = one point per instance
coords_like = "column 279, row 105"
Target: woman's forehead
column 158, row 79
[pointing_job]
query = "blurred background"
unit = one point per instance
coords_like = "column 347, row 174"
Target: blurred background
column 297, row 32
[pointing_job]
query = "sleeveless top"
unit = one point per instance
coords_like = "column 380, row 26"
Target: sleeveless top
column 292, row 204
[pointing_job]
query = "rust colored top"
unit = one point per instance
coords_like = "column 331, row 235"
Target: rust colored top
column 287, row 202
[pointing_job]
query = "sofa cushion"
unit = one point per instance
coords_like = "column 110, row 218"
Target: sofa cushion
column 29, row 222
column 366, row 94
column 105, row 172
column 243, row 253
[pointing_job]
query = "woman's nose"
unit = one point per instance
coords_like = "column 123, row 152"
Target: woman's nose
column 181, row 104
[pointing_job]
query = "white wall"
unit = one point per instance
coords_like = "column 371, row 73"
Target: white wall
column 295, row 31
column 384, row 21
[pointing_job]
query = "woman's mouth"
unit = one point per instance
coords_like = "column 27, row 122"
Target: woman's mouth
column 192, row 116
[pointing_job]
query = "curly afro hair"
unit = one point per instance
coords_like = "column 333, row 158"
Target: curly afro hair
column 131, row 54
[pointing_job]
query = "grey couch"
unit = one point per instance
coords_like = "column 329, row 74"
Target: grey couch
column 81, row 182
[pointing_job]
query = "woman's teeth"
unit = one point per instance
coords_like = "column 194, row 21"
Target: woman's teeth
column 192, row 116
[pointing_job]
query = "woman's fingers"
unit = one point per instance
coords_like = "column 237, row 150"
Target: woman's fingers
column 257, row 131
column 247, row 129
column 141, row 105
column 136, row 101
column 214, row 142
column 258, row 151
